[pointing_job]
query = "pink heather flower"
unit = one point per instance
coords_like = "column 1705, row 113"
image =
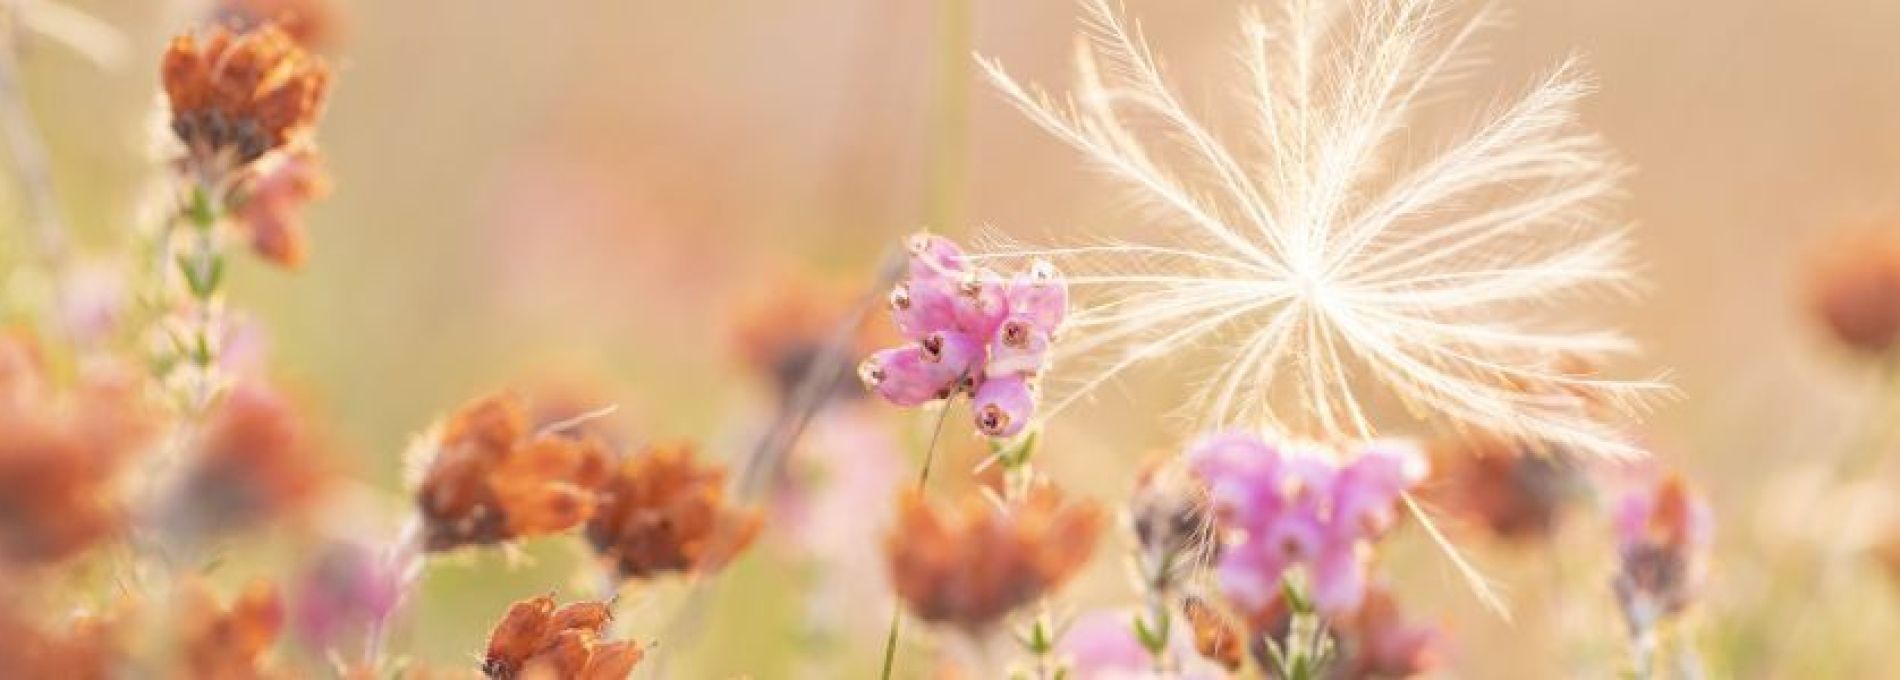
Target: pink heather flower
column 1003, row 405
column 975, row 332
column 1663, row 537
column 346, row 591
column 1101, row 645
column 1288, row 506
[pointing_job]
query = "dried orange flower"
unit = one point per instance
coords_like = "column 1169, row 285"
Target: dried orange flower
column 535, row 640
column 256, row 461
column 1854, row 289
column 1510, row 491
column 60, row 457
column 236, row 96
column 227, row 643
column 271, row 209
column 664, row 511
column 781, row 334
column 90, row 648
column 493, row 475
column 970, row 565
column 312, row 23
column 1216, row 637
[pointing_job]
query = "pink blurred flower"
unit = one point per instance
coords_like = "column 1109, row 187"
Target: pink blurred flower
column 1290, row 506
column 1663, row 537
column 346, row 591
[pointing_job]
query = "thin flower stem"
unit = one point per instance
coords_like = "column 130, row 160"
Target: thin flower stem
column 897, row 608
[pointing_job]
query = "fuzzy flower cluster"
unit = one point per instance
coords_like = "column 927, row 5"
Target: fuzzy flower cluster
column 1663, row 536
column 971, row 331
column 1284, row 505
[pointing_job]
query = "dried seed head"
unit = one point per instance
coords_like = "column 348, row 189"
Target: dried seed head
column 236, row 96
column 228, row 642
column 312, row 23
column 496, row 475
column 663, row 511
column 1854, row 290
column 256, row 462
column 970, row 565
column 534, row 640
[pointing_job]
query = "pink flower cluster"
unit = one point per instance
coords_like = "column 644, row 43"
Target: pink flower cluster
column 1284, row 505
column 971, row 331
column 1663, row 538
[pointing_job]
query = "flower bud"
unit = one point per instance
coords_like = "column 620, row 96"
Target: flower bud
column 1003, row 406
column 1020, row 347
column 981, row 304
column 902, row 375
column 1040, row 295
column 934, row 257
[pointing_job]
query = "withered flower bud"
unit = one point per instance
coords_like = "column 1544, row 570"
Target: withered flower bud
column 536, row 640
column 970, row 565
column 236, row 96
column 256, row 462
column 227, row 643
column 492, row 475
column 662, row 511
column 1854, row 290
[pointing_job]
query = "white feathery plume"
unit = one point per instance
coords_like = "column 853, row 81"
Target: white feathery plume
column 1334, row 259
column 1327, row 262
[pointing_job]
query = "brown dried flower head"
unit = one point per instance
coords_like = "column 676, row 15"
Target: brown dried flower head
column 493, row 475
column 1217, row 638
column 61, row 456
column 271, row 211
column 1515, row 494
column 312, row 23
column 227, row 643
column 256, row 462
column 90, row 647
column 663, row 511
column 536, row 640
column 1854, row 290
column 970, row 565
column 236, row 96
column 782, row 333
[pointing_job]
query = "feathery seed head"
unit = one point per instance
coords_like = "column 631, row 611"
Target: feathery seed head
column 1325, row 260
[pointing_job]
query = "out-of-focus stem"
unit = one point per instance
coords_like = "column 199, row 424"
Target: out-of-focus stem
column 29, row 154
column 897, row 608
column 404, row 558
column 951, row 122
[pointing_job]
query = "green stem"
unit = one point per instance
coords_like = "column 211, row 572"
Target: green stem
column 923, row 479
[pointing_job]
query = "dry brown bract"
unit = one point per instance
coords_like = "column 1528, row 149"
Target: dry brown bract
column 60, row 457
column 970, row 565
column 664, row 511
column 312, row 23
column 782, row 334
column 1854, row 289
column 1515, row 494
column 220, row 643
column 236, row 96
column 494, row 476
column 271, row 211
column 89, row 648
column 256, row 462
column 535, row 640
